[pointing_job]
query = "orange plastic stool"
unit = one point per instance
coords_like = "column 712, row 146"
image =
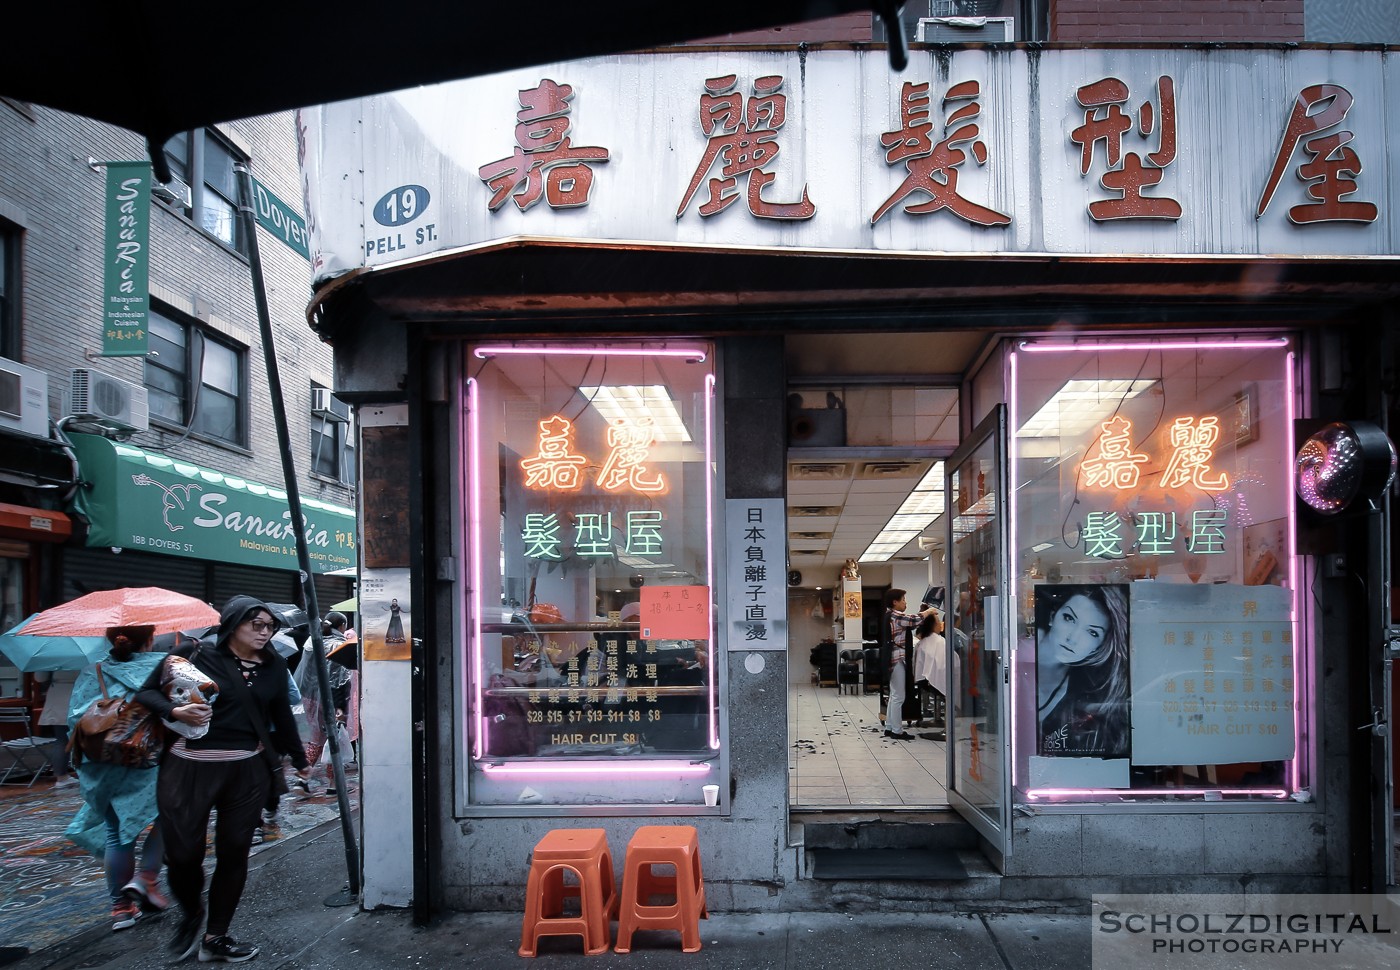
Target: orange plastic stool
column 653, row 845
column 585, row 853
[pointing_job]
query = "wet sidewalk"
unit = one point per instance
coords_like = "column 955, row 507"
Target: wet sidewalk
column 50, row 889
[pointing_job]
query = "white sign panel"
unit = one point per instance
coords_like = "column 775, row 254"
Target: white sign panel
column 1148, row 152
column 1212, row 674
column 756, row 540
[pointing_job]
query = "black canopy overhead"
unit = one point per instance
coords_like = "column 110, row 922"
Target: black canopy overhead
column 158, row 69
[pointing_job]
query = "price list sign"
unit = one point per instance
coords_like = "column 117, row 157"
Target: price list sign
column 1212, row 673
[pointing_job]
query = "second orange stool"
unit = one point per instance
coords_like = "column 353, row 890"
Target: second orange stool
column 669, row 845
column 584, row 852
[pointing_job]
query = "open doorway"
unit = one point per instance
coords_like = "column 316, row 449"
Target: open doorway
column 870, row 421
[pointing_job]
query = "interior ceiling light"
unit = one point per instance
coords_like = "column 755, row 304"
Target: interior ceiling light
column 923, row 505
column 1079, row 406
column 631, row 403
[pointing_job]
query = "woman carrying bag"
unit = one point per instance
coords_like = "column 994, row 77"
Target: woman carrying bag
column 230, row 768
column 119, row 802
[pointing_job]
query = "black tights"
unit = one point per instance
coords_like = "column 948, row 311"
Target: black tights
column 187, row 791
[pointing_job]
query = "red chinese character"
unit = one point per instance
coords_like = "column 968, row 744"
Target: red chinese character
column 630, row 443
column 745, row 139
column 1128, row 172
column 933, row 169
column 555, row 465
column 1116, row 465
column 545, row 163
column 1332, row 172
column 1193, row 449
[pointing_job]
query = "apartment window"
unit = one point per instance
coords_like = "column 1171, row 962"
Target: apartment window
column 332, row 436
column 9, row 292
column 204, row 161
column 195, row 378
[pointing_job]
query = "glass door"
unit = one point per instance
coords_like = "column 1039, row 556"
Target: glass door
column 978, row 702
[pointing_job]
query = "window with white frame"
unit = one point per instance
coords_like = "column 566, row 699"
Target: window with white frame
column 204, row 161
column 195, row 378
column 9, row 292
column 332, row 436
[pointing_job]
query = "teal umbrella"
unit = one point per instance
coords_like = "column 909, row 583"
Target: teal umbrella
column 50, row 652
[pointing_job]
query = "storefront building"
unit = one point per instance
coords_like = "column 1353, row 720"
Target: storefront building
column 576, row 302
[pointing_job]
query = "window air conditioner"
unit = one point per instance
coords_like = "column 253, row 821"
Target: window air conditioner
column 24, row 399
column 966, row 30
column 101, row 404
column 173, row 192
column 325, row 405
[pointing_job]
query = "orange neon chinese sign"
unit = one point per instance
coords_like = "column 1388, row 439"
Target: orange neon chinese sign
column 1115, row 465
column 555, row 466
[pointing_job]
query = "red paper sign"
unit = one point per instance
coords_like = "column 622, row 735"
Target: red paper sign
column 675, row 613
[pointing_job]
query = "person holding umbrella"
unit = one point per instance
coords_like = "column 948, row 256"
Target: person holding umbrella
column 229, row 769
column 119, row 803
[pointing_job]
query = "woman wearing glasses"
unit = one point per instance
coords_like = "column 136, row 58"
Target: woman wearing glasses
column 227, row 769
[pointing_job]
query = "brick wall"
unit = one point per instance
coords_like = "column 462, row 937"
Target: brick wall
column 55, row 200
column 1167, row 21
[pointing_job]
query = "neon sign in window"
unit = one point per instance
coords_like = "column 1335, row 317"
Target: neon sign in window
column 1158, row 470
column 589, row 487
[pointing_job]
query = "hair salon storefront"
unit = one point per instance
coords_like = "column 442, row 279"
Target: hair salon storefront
column 1158, row 662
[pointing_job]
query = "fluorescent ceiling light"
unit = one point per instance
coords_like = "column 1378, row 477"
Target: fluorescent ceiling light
column 631, row 403
column 923, row 505
column 1079, row 406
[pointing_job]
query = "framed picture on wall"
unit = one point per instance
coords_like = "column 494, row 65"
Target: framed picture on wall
column 1241, row 422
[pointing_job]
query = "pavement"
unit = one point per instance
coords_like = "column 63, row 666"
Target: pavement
column 297, row 909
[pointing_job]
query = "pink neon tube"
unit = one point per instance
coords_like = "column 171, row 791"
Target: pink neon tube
column 1013, row 407
column 1290, row 395
column 710, row 553
column 1295, row 773
column 1090, row 348
column 571, row 350
column 474, row 513
column 1136, row 792
column 600, row 768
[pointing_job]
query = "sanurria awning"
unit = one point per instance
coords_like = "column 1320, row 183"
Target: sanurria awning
column 136, row 499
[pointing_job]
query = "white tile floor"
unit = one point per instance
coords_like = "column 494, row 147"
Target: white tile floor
column 838, row 755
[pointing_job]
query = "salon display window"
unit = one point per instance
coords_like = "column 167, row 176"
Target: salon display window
column 1159, row 653
column 589, row 481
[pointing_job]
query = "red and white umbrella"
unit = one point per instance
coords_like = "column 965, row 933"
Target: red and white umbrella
column 93, row 614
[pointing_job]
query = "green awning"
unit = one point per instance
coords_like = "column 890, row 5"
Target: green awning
column 143, row 500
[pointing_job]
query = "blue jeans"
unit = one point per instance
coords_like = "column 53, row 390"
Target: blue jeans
column 120, row 858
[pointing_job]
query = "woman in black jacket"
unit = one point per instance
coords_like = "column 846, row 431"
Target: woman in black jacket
column 227, row 769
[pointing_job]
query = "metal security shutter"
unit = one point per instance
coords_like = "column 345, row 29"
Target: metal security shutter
column 88, row 570
column 332, row 589
column 268, row 585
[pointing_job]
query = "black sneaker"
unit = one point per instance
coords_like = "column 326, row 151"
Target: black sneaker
column 223, row 948
column 187, row 935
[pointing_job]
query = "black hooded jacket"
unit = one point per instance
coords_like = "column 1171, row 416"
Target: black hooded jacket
column 230, row 728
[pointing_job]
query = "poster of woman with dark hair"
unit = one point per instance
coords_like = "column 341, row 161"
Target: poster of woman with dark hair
column 1081, row 661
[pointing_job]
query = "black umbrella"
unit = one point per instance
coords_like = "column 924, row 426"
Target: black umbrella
column 315, row 57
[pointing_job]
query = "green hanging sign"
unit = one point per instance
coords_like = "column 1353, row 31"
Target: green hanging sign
column 126, row 291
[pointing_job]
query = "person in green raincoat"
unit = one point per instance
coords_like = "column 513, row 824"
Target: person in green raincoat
column 120, row 803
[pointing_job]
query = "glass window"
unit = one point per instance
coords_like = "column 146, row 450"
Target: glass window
column 590, row 479
column 1157, row 598
column 210, row 404
column 332, row 437
column 214, row 205
column 9, row 293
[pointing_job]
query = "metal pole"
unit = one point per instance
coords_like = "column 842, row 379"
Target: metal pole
column 289, row 475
